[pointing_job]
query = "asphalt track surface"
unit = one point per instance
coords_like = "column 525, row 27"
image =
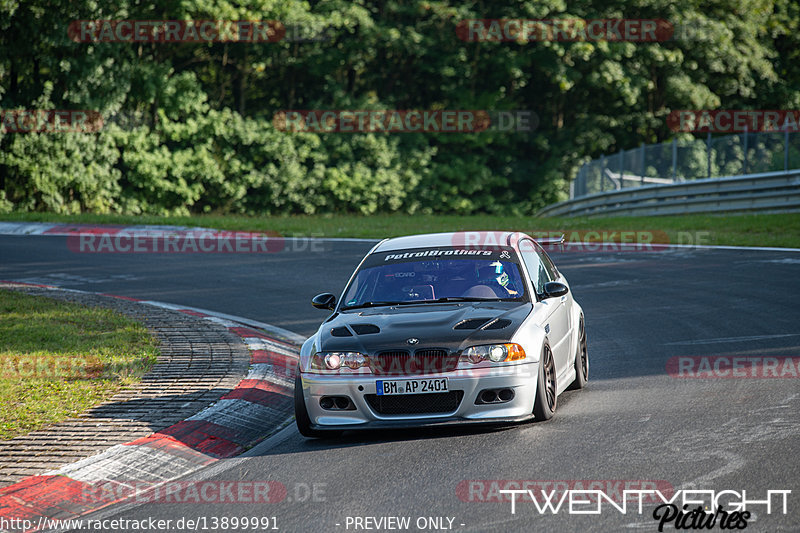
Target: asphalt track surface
column 632, row 422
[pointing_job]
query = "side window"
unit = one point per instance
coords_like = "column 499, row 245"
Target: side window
column 535, row 266
column 552, row 272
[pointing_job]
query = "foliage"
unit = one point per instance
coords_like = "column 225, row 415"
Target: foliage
column 188, row 128
column 58, row 359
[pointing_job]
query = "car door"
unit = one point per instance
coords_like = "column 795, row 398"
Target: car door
column 566, row 325
column 542, row 270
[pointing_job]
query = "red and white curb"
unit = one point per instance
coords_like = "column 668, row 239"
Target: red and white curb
column 260, row 405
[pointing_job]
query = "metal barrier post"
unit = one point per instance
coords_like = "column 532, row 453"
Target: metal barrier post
column 602, row 173
column 641, row 152
column 584, row 190
column 575, row 185
column 744, row 170
column 674, row 159
column 786, row 148
column 620, row 179
column 708, row 148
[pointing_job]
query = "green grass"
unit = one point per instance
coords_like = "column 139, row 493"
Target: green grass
column 58, row 359
column 782, row 230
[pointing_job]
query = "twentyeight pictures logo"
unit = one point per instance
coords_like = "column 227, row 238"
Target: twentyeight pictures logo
column 671, row 508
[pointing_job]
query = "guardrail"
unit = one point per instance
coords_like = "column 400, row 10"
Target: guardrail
column 769, row 191
column 689, row 158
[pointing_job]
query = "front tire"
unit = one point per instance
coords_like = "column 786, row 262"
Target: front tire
column 544, row 405
column 301, row 417
column 581, row 360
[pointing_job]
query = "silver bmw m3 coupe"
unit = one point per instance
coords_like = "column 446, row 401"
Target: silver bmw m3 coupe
column 447, row 328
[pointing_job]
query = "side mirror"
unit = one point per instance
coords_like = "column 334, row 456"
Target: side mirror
column 325, row 300
column 554, row 289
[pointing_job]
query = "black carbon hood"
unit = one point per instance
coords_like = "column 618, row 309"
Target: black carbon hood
column 448, row 326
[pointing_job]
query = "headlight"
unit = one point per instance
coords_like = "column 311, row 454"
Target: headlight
column 333, row 361
column 496, row 353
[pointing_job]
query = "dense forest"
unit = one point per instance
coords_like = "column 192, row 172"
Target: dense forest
column 196, row 127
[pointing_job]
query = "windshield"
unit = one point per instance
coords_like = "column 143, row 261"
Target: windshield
column 440, row 275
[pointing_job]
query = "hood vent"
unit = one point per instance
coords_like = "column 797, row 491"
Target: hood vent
column 498, row 323
column 365, row 329
column 471, row 323
column 341, row 331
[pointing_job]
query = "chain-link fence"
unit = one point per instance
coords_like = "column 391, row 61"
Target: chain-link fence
column 689, row 159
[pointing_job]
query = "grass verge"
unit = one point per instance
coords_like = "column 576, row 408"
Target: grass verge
column 780, row 230
column 58, row 359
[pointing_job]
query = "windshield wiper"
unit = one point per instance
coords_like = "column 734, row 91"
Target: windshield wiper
column 369, row 304
column 445, row 299
column 468, row 299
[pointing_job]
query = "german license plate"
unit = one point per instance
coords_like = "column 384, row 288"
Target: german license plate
column 410, row 386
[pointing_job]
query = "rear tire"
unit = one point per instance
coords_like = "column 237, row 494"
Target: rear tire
column 301, row 417
column 581, row 360
column 544, row 405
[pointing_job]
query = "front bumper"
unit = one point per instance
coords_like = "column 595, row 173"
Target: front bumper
column 521, row 378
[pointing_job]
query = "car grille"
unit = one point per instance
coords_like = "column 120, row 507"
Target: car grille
column 414, row 404
column 402, row 363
